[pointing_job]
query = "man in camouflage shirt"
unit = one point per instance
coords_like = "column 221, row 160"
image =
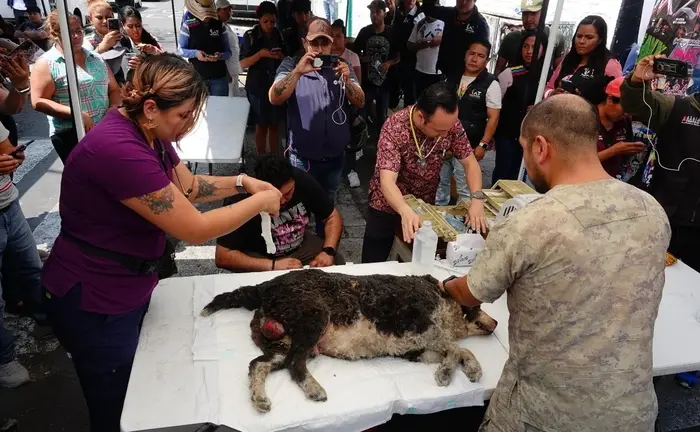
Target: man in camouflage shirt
column 583, row 267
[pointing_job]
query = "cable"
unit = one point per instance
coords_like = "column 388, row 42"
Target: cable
column 341, row 113
column 651, row 114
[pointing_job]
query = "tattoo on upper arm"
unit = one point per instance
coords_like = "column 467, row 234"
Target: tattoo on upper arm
column 205, row 188
column 159, row 201
column 282, row 85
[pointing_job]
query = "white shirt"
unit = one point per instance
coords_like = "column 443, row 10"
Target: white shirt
column 351, row 58
column 426, row 59
column 19, row 5
column 493, row 94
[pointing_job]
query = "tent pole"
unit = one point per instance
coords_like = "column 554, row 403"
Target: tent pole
column 71, row 74
column 547, row 63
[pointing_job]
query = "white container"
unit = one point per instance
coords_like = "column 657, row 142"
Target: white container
column 425, row 245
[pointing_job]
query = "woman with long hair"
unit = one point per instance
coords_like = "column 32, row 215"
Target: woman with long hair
column 49, row 86
column 123, row 189
column 519, row 88
column 132, row 27
column 588, row 58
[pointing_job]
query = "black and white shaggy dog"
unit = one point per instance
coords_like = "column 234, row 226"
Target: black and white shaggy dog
column 308, row 312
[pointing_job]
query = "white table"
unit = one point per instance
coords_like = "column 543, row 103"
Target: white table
column 175, row 382
column 677, row 327
column 219, row 134
column 179, row 378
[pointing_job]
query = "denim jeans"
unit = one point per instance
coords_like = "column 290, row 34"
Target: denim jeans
column 331, row 9
column 449, row 168
column 102, row 348
column 218, row 86
column 21, row 266
column 381, row 96
column 328, row 173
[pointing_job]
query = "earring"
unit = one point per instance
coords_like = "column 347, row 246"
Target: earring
column 150, row 125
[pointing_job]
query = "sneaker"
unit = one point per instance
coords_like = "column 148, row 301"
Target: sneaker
column 8, row 425
column 353, row 179
column 13, row 374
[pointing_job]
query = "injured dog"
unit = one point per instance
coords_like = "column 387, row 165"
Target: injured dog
column 308, row 312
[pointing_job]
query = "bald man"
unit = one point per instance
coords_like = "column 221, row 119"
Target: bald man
column 583, row 267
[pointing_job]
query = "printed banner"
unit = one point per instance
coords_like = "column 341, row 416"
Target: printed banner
column 674, row 30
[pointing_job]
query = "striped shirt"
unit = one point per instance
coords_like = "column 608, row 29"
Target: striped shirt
column 93, row 81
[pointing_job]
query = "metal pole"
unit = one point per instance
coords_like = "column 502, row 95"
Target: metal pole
column 71, row 73
column 175, row 27
column 547, row 63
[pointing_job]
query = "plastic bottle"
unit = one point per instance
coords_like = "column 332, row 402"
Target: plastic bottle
column 425, row 245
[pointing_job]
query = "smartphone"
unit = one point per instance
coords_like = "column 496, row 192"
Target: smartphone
column 672, row 68
column 29, row 50
column 113, row 24
column 326, row 61
column 20, row 148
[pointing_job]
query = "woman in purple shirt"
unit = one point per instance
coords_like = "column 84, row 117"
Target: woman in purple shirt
column 123, row 189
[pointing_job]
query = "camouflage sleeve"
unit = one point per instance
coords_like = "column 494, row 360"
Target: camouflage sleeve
column 506, row 257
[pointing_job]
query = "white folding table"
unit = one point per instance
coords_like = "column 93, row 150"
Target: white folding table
column 219, row 134
column 192, row 370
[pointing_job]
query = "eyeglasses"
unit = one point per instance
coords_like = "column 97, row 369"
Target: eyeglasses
column 320, row 42
column 76, row 32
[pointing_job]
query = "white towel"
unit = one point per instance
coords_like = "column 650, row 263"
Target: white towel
column 267, row 233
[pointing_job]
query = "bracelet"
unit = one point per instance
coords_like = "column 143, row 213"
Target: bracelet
column 24, row 90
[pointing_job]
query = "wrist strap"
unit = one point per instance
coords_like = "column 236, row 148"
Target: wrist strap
column 273, row 263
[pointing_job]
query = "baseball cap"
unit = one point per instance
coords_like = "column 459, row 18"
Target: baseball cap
column 222, row 4
column 531, row 6
column 613, row 88
column 319, row 27
column 302, row 6
column 377, row 4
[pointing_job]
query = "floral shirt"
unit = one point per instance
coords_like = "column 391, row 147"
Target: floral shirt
column 397, row 152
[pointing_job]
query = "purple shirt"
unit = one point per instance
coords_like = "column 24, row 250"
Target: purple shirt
column 313, row 117
column 112, row 163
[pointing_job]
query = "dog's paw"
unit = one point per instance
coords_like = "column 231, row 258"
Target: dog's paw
column 472, row 370
column 262, row 404
column 317, row 394
column 443, row 376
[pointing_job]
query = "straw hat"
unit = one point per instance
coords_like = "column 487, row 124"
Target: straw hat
column 201, row 9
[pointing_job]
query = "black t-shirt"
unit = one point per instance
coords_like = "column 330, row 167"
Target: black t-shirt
column 289, row 227
column 261, row 75
column 457, row 36
column 378, row 47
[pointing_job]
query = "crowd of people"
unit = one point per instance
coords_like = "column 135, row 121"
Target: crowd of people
column 125, row 193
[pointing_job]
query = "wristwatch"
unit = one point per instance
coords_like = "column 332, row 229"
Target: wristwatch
column 444, row 283
column 329, row 251
column 483, row 145
column 478, row 195
column 239, row 184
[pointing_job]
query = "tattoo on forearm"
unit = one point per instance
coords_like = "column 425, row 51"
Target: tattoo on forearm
column 282, row 85
column 205, row 188
column 159, row 201
column 354, row 95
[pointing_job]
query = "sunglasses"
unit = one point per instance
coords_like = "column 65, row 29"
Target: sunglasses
column 320, row 42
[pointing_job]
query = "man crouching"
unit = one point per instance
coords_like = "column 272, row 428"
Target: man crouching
column 244, row 250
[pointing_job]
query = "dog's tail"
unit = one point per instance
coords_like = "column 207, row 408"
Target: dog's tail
column 247, row 297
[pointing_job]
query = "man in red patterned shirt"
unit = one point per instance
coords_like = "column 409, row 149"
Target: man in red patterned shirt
column 409, row 157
